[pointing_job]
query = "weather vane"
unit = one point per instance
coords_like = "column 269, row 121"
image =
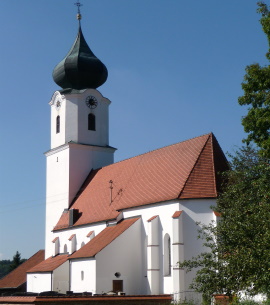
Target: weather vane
column 78, row 4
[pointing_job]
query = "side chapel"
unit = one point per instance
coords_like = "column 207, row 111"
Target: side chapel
column 122, row 226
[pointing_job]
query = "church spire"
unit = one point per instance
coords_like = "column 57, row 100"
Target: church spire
column 80, row 69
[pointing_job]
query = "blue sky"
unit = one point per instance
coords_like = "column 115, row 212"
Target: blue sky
column 175, row 72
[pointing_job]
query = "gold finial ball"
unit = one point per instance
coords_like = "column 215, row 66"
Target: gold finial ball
column 79, row 16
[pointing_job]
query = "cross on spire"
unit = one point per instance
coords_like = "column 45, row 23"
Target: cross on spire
column 78, row 4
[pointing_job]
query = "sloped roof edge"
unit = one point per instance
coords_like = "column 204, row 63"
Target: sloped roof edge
column 103, row 239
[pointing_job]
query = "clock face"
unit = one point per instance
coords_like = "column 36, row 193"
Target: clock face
column 58, row 104
column 91, row 102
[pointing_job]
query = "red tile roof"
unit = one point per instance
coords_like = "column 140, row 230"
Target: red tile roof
column 90, row 233
column 152, row 218
column 55, row 239
column 184, row 170
column 49, row 264
column 17, row 277
column 177, row 214
column 71, row 236
column 103, row 239
column 103, row 299
column 17, row 300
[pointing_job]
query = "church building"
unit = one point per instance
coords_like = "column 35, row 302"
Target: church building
column 118, row 227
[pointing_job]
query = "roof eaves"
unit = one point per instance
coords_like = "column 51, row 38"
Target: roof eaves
column 82, row 225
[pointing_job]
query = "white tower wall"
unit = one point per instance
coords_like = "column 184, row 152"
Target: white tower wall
column 75, row 151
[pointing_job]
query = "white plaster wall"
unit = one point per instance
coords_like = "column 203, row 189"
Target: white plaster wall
column 123, row 255
column 193, row 211
column 83, row 158
column 165, row 212
column 38, row 282
column 101, row 135
column 88, row 282
column 73, row 114
column 154, row 257
column 58, row 139
column 68, row 164
column 67, row 169
column 57, row 193
column 60, row 279
column 81, row 235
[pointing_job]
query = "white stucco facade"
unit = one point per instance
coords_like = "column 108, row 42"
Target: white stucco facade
column 60, row 278
column 83, row 275
column 138, row 256
column 38, row 282
column 75, row 151
column 56, row 280
column 73, row 112
column 124, row 257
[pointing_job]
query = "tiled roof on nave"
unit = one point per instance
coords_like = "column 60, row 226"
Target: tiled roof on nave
column 184, row 170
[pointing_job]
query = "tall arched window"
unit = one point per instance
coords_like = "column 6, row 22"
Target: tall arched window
column 65, row 249
column 91, row 121
column 167, row 255
column 58, row 124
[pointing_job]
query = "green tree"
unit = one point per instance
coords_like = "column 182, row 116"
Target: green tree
column 4, row 267
column 16, row 261
column 256, row 87
column 238, row 246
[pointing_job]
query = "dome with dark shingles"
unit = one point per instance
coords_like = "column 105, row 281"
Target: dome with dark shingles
column 80, row 69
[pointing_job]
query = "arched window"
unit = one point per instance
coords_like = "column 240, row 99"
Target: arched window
column 65, row 248
column 167, row 255
column 58, row 124
column 91, row 121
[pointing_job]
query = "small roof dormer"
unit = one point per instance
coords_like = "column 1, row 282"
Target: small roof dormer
column 80, row 69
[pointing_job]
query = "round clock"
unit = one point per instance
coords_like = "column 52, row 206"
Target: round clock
column 91, row 102
column 58, row 104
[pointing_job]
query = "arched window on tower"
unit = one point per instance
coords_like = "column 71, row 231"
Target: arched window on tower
column 91, row 121
column 58, row 124
column 167, row 255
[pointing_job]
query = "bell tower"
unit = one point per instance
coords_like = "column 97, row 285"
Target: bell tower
column 79, row 129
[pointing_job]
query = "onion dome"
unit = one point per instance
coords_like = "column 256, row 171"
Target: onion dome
column 80, row 69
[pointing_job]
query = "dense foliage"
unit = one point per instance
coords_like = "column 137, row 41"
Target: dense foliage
column 238, row 247
column 7, row 266
column 4, row 267
column 256, row 87
column 16, row 261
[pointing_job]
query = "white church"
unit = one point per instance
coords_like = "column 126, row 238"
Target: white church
column 118, row 227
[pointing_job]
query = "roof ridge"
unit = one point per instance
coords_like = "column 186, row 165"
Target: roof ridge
column 150, row 151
